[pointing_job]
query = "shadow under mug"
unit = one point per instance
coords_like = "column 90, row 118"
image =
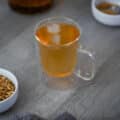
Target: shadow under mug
column 61, row 62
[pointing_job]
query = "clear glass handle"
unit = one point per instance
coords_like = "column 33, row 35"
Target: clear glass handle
column 86, row 68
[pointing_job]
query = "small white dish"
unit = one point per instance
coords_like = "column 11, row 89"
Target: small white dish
column 111, row 20
column 10, row 101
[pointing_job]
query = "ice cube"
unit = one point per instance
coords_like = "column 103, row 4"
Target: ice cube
column 56, row 39
column 53, row 28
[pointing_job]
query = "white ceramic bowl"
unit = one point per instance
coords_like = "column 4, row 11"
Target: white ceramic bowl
column 9, row 102
column 112, row 20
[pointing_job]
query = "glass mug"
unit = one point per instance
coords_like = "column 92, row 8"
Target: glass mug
column 62, row 61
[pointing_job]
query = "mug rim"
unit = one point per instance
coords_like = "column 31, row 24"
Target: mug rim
column 66, row 19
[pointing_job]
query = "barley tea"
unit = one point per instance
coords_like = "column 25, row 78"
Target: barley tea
column 58, row 48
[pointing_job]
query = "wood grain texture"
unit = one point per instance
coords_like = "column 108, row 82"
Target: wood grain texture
column 98, row 99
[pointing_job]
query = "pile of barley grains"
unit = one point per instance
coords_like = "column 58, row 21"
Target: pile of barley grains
column 7, row 88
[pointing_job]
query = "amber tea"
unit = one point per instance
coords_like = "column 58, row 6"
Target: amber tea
column 58, row 48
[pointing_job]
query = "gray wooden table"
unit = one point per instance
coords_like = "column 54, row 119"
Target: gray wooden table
column 95, row 100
